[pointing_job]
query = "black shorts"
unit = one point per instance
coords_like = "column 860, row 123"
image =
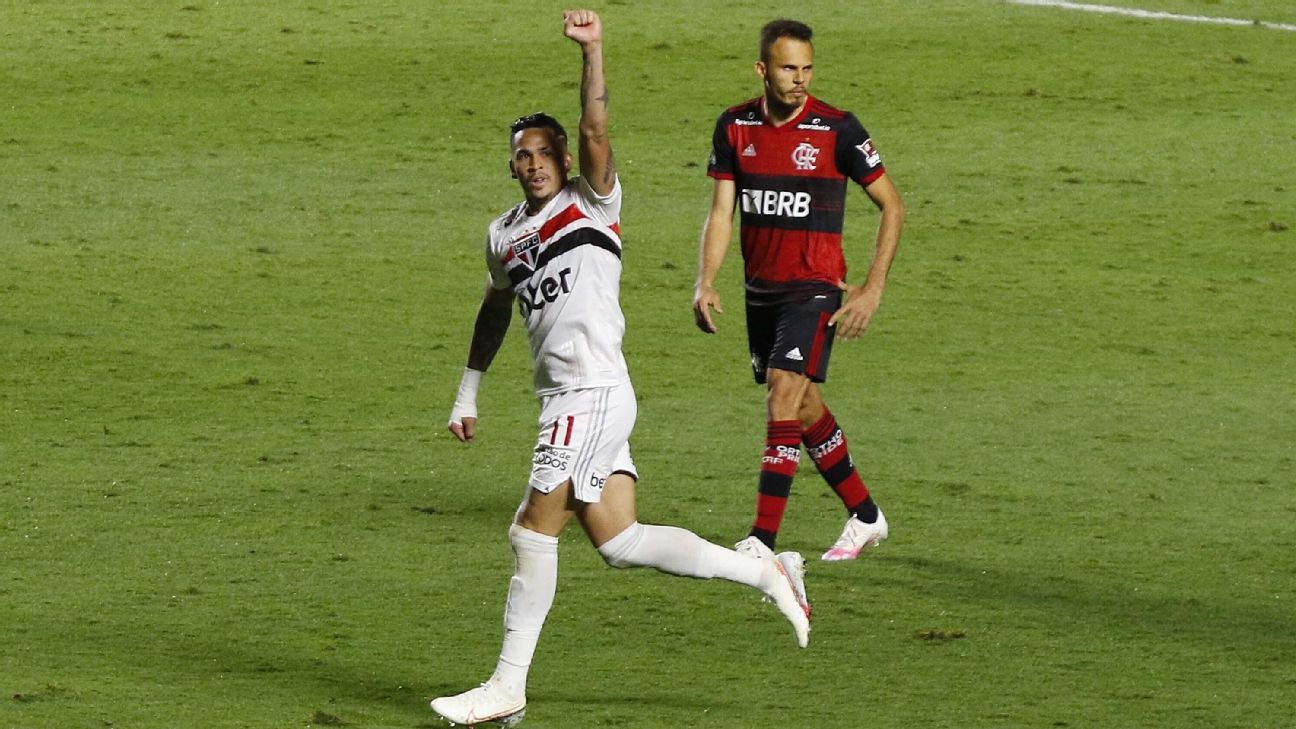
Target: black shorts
column 792, row 335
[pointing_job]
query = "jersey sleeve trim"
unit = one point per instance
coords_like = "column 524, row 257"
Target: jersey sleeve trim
column 872, row 177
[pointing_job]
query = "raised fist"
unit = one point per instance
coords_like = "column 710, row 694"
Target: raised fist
column 582, row 26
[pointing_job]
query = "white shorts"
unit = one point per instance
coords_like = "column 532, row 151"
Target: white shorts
column 584, row 436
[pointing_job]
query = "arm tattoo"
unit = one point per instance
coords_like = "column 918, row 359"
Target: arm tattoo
column 585, row 87
column 585, row 82
column 609, row 175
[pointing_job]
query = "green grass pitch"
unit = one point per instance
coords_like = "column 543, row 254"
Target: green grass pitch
column 239, row 263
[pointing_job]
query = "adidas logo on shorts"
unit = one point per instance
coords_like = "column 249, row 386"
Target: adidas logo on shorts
column 794, row 354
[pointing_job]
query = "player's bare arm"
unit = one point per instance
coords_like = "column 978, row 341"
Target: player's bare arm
column 492, row 324
column 716, row 234
column 596, row 162
column 862, row 302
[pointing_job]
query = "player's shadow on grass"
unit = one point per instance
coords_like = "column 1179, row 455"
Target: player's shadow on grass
column 1110, row 604
column 657, row 700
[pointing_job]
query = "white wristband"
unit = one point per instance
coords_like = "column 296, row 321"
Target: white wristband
column 465, row 405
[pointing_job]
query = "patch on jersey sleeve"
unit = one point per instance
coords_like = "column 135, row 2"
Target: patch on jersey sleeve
column 871, row 156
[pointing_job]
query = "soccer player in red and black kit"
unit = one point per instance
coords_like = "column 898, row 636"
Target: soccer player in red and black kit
column 784, row 159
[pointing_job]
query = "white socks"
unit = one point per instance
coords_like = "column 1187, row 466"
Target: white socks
column 530, row 595
column 535, row 577
column 680, row 552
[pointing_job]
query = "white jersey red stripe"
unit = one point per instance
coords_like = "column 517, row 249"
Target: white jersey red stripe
column 564, row 267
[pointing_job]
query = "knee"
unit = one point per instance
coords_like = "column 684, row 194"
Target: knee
column 786, row 398
column 781, row 405
column 619, row 551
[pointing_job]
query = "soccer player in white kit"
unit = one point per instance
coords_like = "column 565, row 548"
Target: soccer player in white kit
column 558, row 253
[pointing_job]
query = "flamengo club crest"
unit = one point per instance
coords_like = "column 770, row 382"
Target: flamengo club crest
column 805, row 156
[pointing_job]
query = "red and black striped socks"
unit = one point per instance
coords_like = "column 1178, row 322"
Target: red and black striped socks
column 826, row 444
column 778, row 467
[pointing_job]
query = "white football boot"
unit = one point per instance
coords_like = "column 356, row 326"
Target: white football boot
column 794, row 567
column 855, row 537
column 784, row 594
column 786, row 587
column 486, row 703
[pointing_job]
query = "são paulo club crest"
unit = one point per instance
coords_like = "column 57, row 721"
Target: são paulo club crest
column 526, row 249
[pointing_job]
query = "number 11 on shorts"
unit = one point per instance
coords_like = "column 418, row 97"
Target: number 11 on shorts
column 553, row 435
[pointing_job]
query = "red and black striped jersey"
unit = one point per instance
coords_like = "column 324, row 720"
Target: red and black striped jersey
column 791, row 188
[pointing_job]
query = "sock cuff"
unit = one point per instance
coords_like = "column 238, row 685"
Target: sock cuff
column 522, row 538
column 823, row 428
column 783, row 432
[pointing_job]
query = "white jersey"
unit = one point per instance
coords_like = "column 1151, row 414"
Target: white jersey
column 564, row 266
